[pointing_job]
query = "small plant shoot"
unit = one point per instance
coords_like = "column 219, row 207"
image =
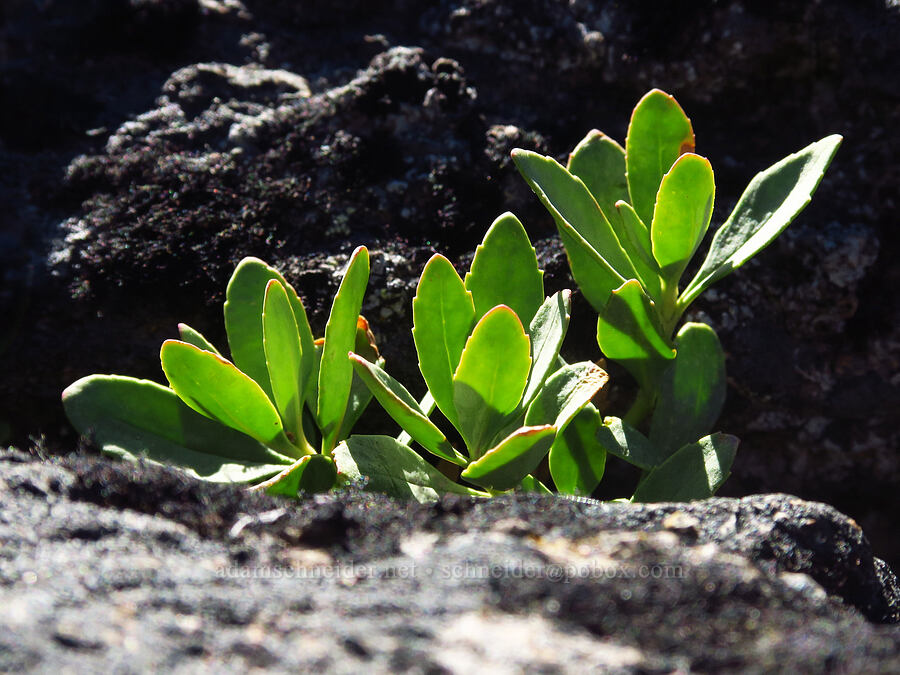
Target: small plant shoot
column 271, row 416
column 488, row 351
column 631, row 220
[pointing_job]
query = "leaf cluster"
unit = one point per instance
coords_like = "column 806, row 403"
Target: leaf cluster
column 272, row 415
column 503, row 410
column 488, row 350
column 631, row 220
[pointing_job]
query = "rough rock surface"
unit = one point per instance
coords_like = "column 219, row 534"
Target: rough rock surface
column 146, row 146
column 108, row 565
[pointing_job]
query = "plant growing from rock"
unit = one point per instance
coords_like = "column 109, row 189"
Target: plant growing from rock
column 488, row 350
column 274, row 413
column 631, row 219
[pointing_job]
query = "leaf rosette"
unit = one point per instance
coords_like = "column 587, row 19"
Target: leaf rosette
column 271, row 416
column 488, row 349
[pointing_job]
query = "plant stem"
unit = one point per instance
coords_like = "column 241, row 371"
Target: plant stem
column 643, row 404
column 296, row 449
column 669, row 312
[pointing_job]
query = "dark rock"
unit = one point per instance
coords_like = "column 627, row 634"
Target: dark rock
column 145, row 147
column 528, row 583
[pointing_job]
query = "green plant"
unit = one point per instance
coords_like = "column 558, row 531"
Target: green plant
column 279, row 415
column 257, row 417
column 631, row 219
column 501, row 385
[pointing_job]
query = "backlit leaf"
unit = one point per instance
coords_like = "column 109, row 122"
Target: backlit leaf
column 625, row 442
column 505, row 271
column 360, row 396
column 566, row 392
column 636, row 241
column 405, row 411
column 491, row 376
column 335, row 370
column 216, row 388
column 658, row 133
column 569, row 201
column 600, row 163
column 595, row 278
column 577, row 459
column 133, row 418
column 194, row 337
column 504, row 466
column 443, row 316
column 281, row 343
column 628, row 332
column 310, row 474
column 683, row 210
column 533, row 485
column 243, row 318
column 691, row 389
column 547, row 331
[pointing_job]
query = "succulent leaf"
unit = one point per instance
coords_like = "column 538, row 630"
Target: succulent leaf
column 385, row 465
column 130, row 418
column 505, row 271
column 658, row 133
column 335, row 370
column 504, row 466
column 443, row 316
column 769, row 204
column 491, row 377
column 694, row 471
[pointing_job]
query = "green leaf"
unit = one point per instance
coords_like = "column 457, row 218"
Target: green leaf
column 695, row 471
column 505, row 271
column 491, row 376
column 504, row 466
column 335, row 370
column 577, row 459
column 426, row 405
column 243, row 318
column 311, row 474
column 216, row 388
column 443, row 316
column 357, row 402
column 769, row 204
column 548, row 329
column 364, row 343
column 312, row 393
column 636, row 240
column 625, row 442
column 360, row 396
column 592, row 273
column 566, row 392
column 628, row 332
column 281, row 343
column 658, row 133
column 600, row 163
column 193, row 337
column 638, row 233
column 691, row 390
column 392, row 468
column 530, row 484
column 133, row 418
column 405, row 411
column 683, row 209
column 571, row 203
